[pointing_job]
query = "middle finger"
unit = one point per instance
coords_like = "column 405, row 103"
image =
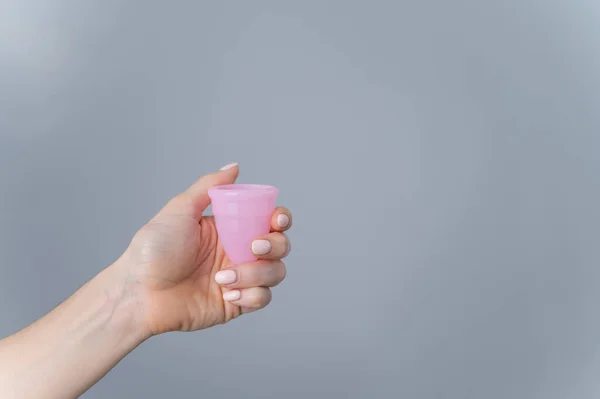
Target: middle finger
column 271, row 246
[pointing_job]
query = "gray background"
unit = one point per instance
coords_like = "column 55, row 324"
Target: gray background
column 440, row 158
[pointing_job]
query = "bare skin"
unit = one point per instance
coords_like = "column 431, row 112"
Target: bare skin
column 174, row 276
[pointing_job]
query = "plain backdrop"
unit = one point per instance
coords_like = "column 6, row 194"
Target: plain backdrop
column 441, row 159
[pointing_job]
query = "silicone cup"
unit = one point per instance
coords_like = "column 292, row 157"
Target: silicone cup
column 242, row 213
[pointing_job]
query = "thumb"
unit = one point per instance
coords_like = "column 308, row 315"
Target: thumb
column 195, row 199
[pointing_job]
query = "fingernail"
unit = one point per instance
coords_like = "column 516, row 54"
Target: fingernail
column 226, row 277
column 283, row 220
column 261, row 247
column 232, row 295
column 231, row 165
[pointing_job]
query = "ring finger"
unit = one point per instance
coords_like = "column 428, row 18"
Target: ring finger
column 258, row 274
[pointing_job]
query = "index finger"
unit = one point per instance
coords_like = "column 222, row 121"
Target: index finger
column 281, row 219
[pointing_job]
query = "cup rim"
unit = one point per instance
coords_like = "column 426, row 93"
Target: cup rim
column 243, row 189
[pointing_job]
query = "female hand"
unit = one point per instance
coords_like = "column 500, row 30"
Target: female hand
column 177, row 266
column 173, row 276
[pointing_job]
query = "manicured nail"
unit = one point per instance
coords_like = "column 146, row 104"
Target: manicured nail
column 226, row 277
column 231, row 165
column 232, row 295
column 283, row 220
column 261, row 247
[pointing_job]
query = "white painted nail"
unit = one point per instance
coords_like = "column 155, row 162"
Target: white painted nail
column 261, row 247
column 226, row 277
column 283, row 220
column 229, row 166
column 232, row 295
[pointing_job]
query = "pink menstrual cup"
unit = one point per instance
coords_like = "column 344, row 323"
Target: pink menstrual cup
column 242, row 213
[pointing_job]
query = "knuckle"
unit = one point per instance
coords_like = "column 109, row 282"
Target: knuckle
column 278, row 272
column 256, row 301
column 283, row 244
column 288, row 247
column 282, row 272
column 260, row 298
column 267, row 298
column 273, row 273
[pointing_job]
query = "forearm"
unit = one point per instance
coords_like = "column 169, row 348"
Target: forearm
column 73, row 346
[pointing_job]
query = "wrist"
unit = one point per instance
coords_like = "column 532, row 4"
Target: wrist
column 126, row 297
column 102, row 321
